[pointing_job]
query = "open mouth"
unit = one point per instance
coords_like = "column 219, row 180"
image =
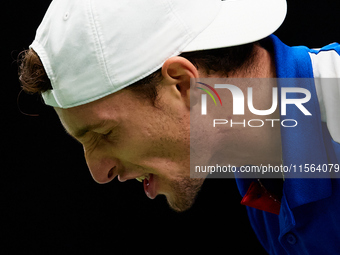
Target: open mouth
column 149, row 185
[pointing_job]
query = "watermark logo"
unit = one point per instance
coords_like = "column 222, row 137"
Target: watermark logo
column 238, row 99
column 204, row 97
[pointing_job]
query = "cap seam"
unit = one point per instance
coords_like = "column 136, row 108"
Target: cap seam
column 179, row 19
column 99, row 49
column 176, row 52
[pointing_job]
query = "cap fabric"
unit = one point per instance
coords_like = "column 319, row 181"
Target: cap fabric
column 93, row 48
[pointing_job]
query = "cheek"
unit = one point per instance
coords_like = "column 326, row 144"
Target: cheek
column 158, row 152
column 158, row 141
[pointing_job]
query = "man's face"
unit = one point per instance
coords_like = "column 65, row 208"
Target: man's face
column 126, row 136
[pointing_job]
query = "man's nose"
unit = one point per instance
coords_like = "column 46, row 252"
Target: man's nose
column 103, row 169
column 104, row 175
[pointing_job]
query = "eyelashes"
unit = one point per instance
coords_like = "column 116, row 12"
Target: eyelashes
column 107, row 134
column 111, row 137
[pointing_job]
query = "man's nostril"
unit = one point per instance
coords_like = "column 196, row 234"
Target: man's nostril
column 110, row 173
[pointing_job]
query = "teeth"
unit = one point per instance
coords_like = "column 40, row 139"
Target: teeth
column 140, row 179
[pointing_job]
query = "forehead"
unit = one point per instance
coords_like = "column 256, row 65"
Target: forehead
column 107, row 108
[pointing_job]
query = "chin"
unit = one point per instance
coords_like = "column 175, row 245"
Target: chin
column 180, row 206
column 183, row 193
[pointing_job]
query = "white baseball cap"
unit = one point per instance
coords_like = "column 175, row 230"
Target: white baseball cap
column 93, row 48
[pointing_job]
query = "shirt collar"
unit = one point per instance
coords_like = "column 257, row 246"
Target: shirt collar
column 303, row 143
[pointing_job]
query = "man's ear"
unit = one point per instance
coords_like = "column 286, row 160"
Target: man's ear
column 178, row 71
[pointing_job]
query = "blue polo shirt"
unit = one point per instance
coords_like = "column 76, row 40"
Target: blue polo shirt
column 309, row 218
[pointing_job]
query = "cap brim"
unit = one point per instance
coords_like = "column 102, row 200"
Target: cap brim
column 240, row 22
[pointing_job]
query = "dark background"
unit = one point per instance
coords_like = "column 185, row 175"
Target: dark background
column 48, row 200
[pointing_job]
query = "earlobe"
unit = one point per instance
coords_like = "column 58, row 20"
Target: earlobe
column 177, row 71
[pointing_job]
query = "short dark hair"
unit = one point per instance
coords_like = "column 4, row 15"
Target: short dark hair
column 223, row 61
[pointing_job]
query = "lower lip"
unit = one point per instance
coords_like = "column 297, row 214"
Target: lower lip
column 150, row 187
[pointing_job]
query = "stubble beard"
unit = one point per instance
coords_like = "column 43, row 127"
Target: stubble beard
column 184, row 193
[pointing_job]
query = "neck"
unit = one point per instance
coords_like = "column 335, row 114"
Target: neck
column 247, row 145
column 262, row 65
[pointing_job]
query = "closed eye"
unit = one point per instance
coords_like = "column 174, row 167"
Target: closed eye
column 111, row 137
column 108, row 134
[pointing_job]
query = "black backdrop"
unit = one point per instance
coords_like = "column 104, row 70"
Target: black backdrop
column 49, row 202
